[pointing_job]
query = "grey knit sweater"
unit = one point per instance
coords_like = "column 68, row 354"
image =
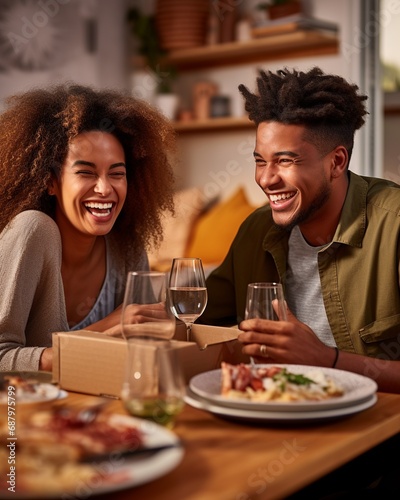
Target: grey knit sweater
column 32, row 303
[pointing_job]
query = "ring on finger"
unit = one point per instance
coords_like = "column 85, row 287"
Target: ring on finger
column 263, row 350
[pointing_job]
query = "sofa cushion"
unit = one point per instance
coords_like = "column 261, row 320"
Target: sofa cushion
column 215, row 230
column 189, row 204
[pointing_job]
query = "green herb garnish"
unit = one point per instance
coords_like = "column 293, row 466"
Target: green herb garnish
column 298, row 379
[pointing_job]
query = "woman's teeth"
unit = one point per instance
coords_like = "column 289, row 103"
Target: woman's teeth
column 99, row 209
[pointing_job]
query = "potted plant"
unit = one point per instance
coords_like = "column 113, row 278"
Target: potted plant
column 144, row 29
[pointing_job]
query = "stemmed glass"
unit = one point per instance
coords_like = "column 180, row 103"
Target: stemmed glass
column 145, row 312
column 154, row 385
column 187, row 290
column 265, row 301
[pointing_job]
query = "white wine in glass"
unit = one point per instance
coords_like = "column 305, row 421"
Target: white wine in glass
column 187, row 290
column 154, row 385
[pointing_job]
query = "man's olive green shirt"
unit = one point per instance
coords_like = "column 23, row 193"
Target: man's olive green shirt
column 359, row 270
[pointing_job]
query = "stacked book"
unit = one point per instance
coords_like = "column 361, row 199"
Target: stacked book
column 290, row 24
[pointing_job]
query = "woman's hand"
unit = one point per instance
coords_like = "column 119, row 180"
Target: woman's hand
column 290, row 342
column 111, row 324
column 134, row 313
column 46, row 360
column 143, row 313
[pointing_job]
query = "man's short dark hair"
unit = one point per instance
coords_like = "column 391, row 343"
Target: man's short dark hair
column 330, row 107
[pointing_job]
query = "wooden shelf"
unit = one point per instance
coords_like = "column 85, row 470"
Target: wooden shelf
column 228, row 123
column 301, row 43
column 296, row 44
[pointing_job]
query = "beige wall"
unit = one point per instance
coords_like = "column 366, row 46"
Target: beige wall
column 219, row 161
column 74, row 59
column 391, row 147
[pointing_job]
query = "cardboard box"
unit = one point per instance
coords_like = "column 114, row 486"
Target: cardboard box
column 95, row 363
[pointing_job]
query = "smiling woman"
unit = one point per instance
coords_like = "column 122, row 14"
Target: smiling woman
column 91, row 194
column 89, row 174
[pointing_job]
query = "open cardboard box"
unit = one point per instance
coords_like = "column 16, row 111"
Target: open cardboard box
column 95, row 363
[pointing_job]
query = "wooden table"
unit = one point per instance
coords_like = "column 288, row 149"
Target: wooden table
column 230, row 460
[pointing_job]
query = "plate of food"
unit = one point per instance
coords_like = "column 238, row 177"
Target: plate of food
column 24, row 388
column 261, row 416
column 61, row 453
column 283, row 388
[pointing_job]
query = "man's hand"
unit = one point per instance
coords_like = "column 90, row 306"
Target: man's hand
column 290, row 342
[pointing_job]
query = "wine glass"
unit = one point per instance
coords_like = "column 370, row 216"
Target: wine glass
column 145, row 312
column 154, row 385
column 187, row 290
column 265, row 301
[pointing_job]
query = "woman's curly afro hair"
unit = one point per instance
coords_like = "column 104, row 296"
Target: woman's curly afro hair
column 36, row 129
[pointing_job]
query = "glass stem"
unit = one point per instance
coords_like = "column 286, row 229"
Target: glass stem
column 188, row 331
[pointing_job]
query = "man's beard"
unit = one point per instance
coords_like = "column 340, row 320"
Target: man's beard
column 306, row 214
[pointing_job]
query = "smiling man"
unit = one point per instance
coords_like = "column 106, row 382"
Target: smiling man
column 329, row 236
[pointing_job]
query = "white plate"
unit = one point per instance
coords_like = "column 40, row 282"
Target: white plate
column 357, row 389
column 44, row 390
column 125, row 472
column 43, row 393
column 263, row 416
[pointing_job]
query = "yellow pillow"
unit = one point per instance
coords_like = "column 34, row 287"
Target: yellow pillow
column 215, row 230
column 189, row 204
